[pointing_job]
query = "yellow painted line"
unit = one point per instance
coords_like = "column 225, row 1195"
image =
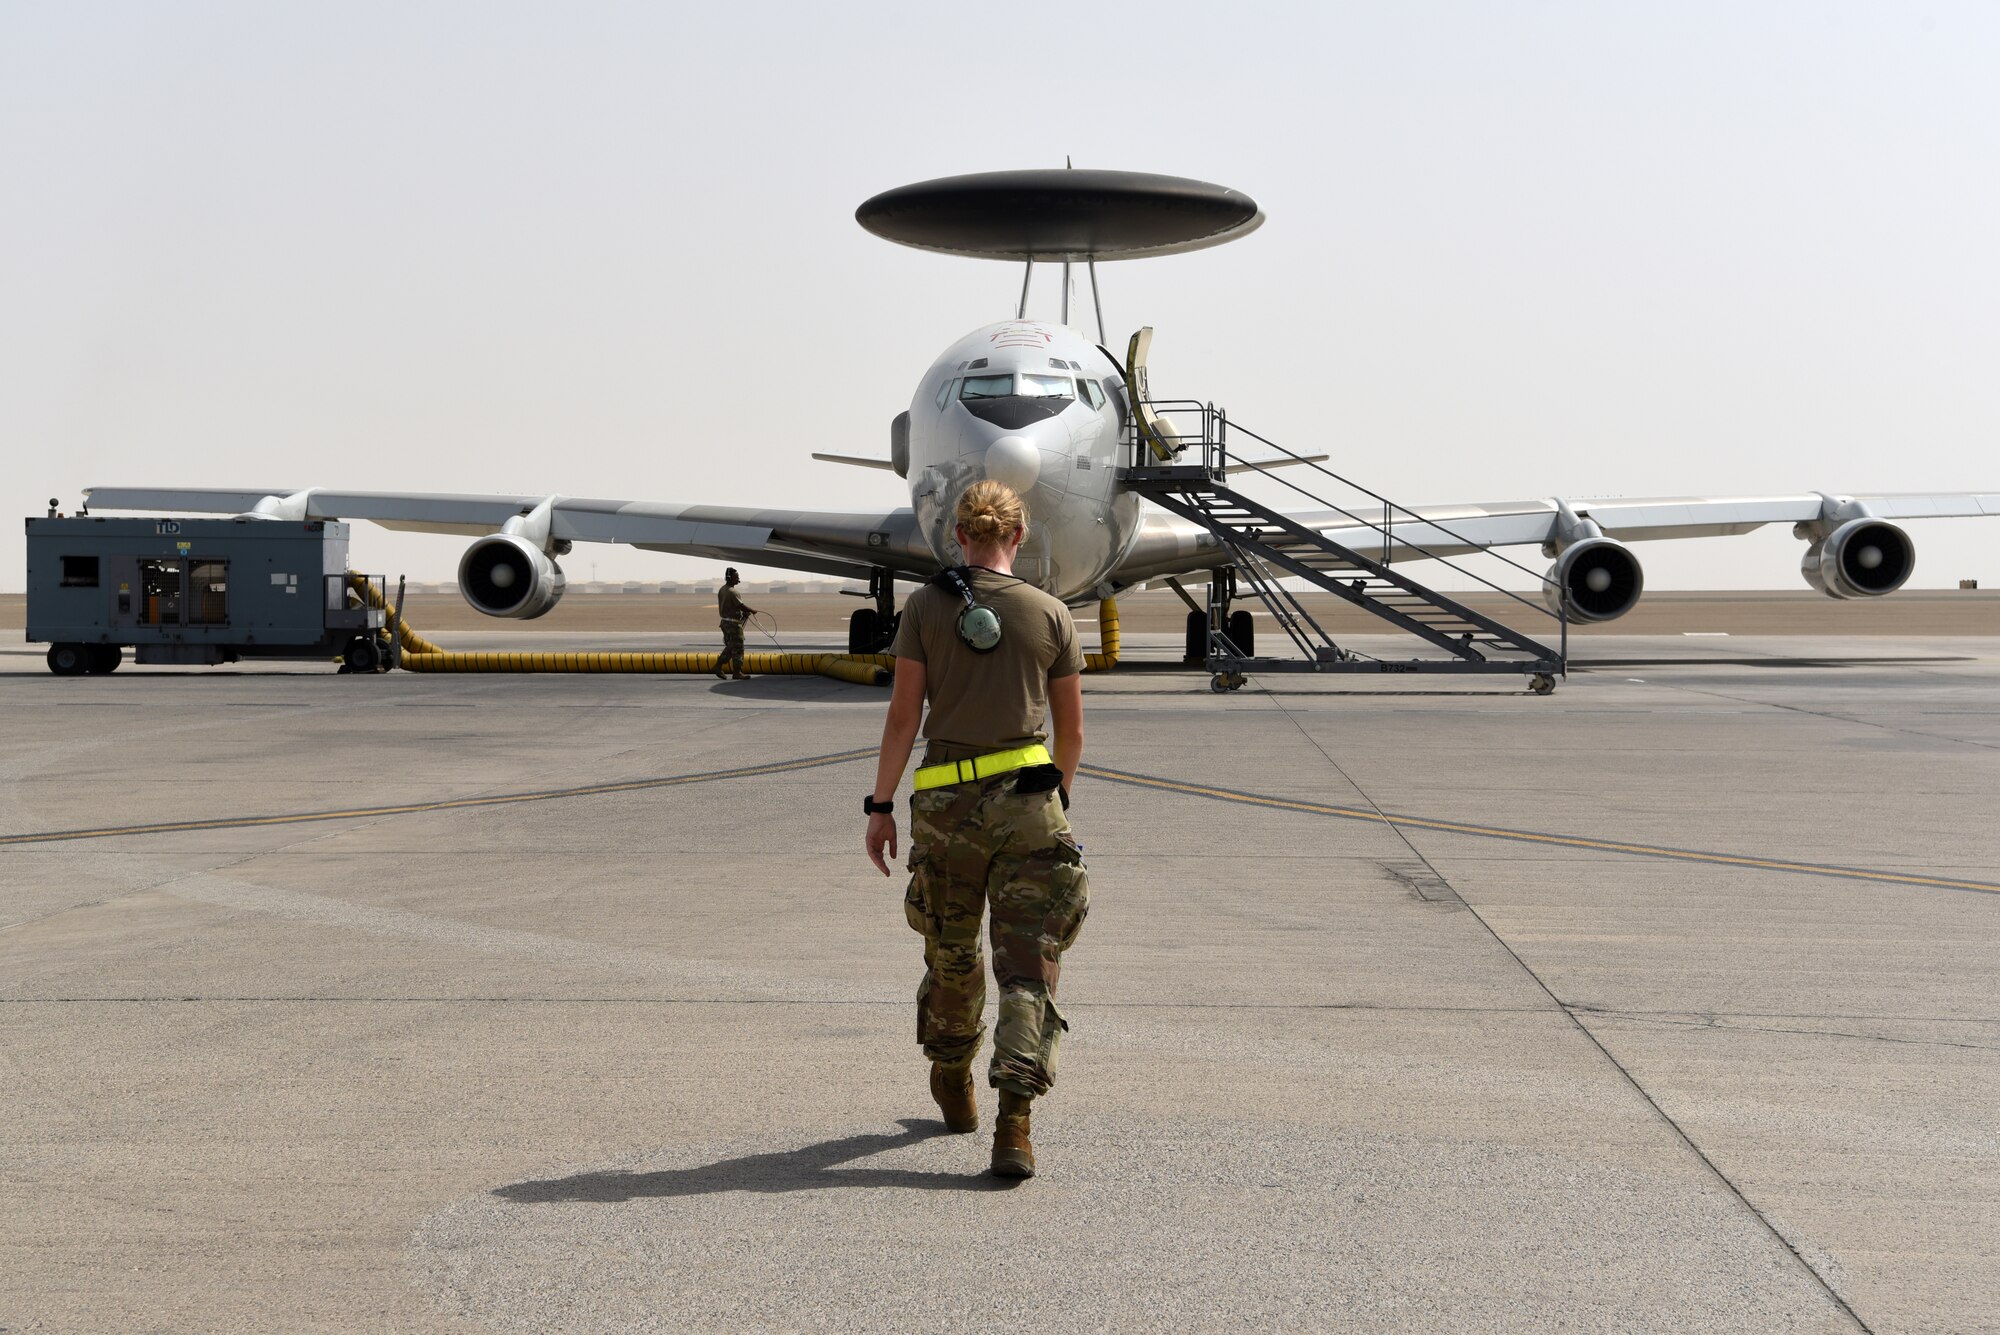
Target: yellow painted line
column 1536, row 837
column 447, row 804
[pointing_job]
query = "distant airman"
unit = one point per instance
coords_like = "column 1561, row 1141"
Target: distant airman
column 734, row 612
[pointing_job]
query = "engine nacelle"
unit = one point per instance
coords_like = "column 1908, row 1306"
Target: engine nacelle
column 1597, row 579
column 899, row 444
column 1863, row 558
column 508, row 576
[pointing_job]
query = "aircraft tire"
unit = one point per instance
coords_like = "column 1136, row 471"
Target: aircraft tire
column 863, row 628
column 1243, row 633
column 1197, row 638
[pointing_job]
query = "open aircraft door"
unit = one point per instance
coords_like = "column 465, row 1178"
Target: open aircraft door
column 1154, row 429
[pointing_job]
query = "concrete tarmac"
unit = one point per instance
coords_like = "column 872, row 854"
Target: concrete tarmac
column 570, row 1004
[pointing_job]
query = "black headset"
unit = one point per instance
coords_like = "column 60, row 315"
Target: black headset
column 978, row 625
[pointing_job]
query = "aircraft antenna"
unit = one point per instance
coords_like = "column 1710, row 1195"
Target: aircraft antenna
column 1069, row 164
column 1026, row 274
column 1096, row 303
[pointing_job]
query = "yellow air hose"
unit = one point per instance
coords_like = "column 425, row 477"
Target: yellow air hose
column 420, row 655
column 1107, row 639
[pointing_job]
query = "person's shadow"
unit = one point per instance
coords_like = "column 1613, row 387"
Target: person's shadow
column 813, row 1168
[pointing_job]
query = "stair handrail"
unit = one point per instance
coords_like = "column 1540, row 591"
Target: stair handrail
column 1214, row 443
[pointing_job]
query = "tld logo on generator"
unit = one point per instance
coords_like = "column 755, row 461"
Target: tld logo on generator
column 166, row 526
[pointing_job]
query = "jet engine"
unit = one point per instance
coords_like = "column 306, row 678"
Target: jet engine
column 1863, row 558
column 508, row 576
column 1597, row 579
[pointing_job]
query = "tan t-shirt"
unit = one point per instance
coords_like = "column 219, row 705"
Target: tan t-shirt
column 729, row 605
column 988, row 702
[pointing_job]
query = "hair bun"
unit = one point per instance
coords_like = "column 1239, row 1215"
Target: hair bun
column 989, row 512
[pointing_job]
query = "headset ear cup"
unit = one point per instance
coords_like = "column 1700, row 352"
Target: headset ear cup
column 979, row 628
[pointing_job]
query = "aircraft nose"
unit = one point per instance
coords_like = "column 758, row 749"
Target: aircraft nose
column 1015, row 461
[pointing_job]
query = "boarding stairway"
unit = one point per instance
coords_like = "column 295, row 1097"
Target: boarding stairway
column 1187, row 475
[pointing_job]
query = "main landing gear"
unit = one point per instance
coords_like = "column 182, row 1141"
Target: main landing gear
column 871, row 630
column 1240, row 628
column 1236, row 627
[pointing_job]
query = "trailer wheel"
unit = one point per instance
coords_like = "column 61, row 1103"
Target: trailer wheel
column 69, row 660
column 106, row 657
column 361, row 655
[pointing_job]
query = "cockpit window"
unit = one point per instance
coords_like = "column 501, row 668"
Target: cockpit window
column 986, row 387
column 1037, row 385
column 1091, row 393
column 944, row 392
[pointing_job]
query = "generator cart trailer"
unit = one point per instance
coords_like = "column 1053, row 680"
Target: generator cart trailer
column 197, row 591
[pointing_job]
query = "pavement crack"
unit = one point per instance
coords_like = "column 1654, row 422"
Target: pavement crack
column 1541, row 984
column 1722, row 1025
column 1823, row 713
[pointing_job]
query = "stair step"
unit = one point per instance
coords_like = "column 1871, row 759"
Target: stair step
column 1269, row 548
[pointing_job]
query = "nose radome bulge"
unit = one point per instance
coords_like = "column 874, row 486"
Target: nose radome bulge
column 1015, row 461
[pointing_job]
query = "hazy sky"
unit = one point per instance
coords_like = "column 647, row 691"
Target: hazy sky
column 1514, row 249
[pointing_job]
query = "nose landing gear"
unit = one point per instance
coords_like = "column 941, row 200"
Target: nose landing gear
column 871, row 630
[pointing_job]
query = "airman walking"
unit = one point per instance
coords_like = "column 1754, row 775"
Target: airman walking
column 995, row 658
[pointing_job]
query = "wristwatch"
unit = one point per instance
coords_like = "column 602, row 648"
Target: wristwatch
column 870, row 807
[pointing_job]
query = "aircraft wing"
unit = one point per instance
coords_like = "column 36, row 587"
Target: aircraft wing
column 826, row 542
column 1171, row 545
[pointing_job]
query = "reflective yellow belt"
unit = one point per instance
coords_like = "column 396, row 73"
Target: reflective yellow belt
column 981, row 767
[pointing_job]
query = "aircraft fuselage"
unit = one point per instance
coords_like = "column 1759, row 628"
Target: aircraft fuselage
column 1041, row 408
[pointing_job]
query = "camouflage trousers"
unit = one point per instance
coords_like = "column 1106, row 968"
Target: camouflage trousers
column 732, row 646
column 985, row 847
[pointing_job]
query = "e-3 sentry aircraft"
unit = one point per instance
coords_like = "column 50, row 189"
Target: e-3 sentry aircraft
column 1049, row 411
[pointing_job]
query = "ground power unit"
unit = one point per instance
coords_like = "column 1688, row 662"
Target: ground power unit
column 197, row 591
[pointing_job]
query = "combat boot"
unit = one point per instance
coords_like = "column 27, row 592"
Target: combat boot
column 952, row 1088
column 1013, row 1155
